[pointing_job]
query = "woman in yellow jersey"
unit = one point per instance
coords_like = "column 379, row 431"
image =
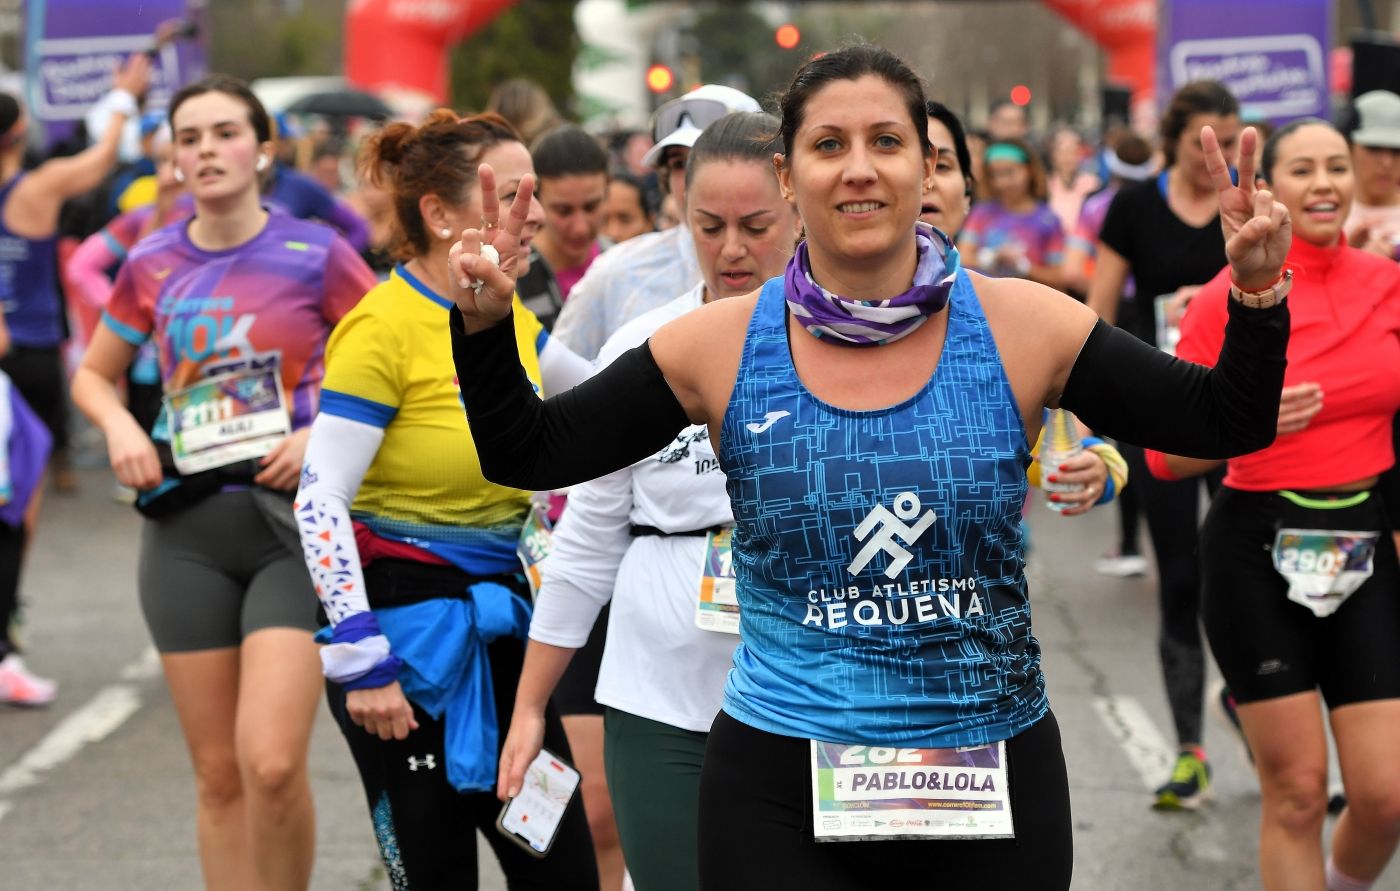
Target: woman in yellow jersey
column 413, row 552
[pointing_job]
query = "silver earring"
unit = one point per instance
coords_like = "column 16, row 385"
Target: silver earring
column 446, row 233
column 179, row 175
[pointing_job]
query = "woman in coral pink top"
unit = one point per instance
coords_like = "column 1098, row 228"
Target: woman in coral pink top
column 1300, row 574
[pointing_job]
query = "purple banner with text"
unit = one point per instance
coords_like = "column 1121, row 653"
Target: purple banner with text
column 1272, row 54
column 73, row 46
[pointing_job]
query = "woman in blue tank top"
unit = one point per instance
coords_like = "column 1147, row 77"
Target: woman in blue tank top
column 872, row 411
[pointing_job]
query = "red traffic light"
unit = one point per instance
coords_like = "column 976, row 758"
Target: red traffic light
column 660, row 79
column 787, row 36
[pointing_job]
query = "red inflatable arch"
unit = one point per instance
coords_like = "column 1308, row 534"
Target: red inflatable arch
column 1127, row 31
column 403, row 44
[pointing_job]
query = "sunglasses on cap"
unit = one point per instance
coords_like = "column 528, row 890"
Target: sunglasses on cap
column 702, row 113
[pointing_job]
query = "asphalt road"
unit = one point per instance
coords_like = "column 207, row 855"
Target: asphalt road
column 96, row 791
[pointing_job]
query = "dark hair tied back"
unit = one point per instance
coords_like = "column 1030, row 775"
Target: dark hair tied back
column 852, row 63
column 937, row 111
column 1197, row 97
column 738, row 136
column 1269, row 157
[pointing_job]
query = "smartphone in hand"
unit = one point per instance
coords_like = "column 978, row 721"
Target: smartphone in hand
column 531, row 819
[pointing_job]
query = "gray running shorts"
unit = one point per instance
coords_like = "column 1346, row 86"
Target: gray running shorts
column 214, row 572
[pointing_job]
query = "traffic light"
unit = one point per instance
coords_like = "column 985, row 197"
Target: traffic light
column 787, row 36
column 660, row 79
column 1021, row 95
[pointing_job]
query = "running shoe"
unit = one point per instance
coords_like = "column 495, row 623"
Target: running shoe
column 1121, row 565
column 18, row 686
column 1225, row 705
column 1189, row 785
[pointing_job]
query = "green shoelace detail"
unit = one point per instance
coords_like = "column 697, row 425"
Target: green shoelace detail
column 1188, row 768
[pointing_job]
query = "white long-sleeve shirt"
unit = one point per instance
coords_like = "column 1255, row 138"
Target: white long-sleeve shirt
column 657, row 664
column 625, row 282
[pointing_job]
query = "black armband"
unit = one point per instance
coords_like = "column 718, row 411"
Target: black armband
column 1123, row 388
column 619, row 416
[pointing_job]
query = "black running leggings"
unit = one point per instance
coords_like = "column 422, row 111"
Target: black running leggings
column 1173, row 510
column 426, row 829
column 756, row 813
column 1129, row 506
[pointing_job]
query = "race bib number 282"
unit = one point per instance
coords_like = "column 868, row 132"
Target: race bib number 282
column 877, row 792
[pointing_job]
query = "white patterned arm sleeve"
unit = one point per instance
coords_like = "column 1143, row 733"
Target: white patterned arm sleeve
column 338, row 455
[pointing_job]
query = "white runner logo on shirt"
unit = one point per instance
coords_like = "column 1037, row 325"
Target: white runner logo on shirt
column 892, row 525
column 769, row 420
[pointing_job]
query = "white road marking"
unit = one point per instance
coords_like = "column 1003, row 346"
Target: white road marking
column 1147, row 750
column 93, row 722
column 146, row 666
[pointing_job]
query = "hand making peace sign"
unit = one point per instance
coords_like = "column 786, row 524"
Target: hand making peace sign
column 485, row 306
column 1257, row 228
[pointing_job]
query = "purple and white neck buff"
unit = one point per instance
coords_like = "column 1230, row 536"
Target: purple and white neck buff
column 866, row 322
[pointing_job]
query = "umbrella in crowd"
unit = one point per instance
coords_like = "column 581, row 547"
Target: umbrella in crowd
column 343, row 103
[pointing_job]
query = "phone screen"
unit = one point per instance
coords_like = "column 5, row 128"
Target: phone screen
column 532, row 818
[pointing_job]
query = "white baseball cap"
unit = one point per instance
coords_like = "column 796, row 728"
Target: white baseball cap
column 1377, row 120
column 681, row 121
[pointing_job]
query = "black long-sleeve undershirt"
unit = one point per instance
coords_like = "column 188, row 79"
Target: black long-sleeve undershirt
column 1123, row 388
column 1119, row 386
column 612, row 420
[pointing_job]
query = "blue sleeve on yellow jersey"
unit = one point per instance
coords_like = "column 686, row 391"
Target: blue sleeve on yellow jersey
column 357, row 408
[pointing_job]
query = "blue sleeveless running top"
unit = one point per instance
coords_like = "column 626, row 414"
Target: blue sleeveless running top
column 29, row 291
column 878, row 553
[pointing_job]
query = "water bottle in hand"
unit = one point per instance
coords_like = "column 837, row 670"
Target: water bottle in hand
column 1058, row 443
